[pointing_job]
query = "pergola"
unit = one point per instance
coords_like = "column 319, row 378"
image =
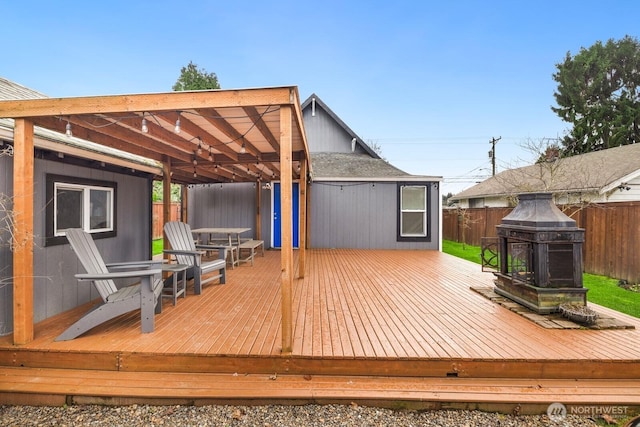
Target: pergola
column 247, row 135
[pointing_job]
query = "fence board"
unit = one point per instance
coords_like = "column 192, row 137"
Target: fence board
column 174, row 215
column 612, row 234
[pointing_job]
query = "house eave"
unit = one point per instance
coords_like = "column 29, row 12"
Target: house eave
column 620, row 181
column 45, row 142
column 410, row 178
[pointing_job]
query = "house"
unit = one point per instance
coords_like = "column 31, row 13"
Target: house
column 356, row 198
column 611, row 175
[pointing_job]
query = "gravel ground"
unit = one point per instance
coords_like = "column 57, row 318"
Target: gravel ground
column 264, row 416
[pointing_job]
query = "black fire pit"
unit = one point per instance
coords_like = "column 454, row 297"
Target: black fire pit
column 540, row 255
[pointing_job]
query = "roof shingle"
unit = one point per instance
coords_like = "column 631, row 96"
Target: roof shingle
column 595, row 171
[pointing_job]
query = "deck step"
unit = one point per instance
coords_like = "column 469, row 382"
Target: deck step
column 37, row 386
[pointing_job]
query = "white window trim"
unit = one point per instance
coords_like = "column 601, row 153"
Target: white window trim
column 424, row 212
column 86, row 206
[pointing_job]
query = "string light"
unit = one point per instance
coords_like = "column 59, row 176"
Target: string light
column 195, row 173
column 144, row 127
column 68, row 130
column 177, row 128
column 195, row 159
column 210, row 155
column 243, row 149
column 199, row 146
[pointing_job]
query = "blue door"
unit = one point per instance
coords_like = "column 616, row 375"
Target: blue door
column 277, row 223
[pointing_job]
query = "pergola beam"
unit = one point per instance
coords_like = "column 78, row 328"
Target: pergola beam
column 172, row 101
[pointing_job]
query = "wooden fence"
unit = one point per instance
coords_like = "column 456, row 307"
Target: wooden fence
column 612, row 234
column 174, row 215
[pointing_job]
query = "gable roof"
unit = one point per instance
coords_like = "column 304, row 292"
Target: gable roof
column 13, row 90
column 314, row 101
column 599, row 171
column 354, row 166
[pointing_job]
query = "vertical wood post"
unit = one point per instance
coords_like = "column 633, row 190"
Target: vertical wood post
column 258, row 216
column 23, row 232
column 302, row 255
column 286, row 214
column 166, row 199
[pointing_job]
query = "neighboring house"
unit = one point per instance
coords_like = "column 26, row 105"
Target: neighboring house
column 68, row 169
column 357, row 199
column 611, row 175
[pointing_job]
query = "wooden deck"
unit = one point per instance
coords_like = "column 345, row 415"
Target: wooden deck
column 368, row 325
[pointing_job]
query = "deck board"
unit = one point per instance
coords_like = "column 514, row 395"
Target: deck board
column 414, row 312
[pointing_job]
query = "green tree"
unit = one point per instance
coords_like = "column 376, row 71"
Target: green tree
column 194, row 78
column 191, row 78
column 157, row 194
column 598, row 94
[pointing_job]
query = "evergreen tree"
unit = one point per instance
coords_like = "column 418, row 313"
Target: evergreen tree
column 598, row 94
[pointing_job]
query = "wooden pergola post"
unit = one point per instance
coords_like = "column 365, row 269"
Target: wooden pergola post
column 258, row 216
column 302, row 244
column 166, row 199
column 286, row 213
column 23, row 232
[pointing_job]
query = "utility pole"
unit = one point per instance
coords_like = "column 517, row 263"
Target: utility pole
column 492, row 154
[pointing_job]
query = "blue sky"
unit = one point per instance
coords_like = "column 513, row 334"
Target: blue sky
column 429, row 82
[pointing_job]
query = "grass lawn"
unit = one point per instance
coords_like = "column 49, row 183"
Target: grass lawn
column 602, row 290
column 156, row 246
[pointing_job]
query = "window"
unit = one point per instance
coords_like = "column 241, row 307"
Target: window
column 79, row 203
column 413, row 218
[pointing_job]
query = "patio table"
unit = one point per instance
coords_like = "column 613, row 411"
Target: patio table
column 229, row 232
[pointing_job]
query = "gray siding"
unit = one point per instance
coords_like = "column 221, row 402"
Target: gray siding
column 55, row 287
column 325, row 135
column 226, row 205
column 362, row 215
column 6, row 263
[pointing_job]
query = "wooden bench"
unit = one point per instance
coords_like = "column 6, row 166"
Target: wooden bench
column 251, row 246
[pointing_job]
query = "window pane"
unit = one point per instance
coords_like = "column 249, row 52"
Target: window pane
column 68, row 209
column 413, row 224
column 100, row 210
column 413, row 198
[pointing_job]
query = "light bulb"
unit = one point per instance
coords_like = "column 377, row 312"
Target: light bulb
column 243, row 149
column 144, row 127
column 68, row 131
column 177, row 128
